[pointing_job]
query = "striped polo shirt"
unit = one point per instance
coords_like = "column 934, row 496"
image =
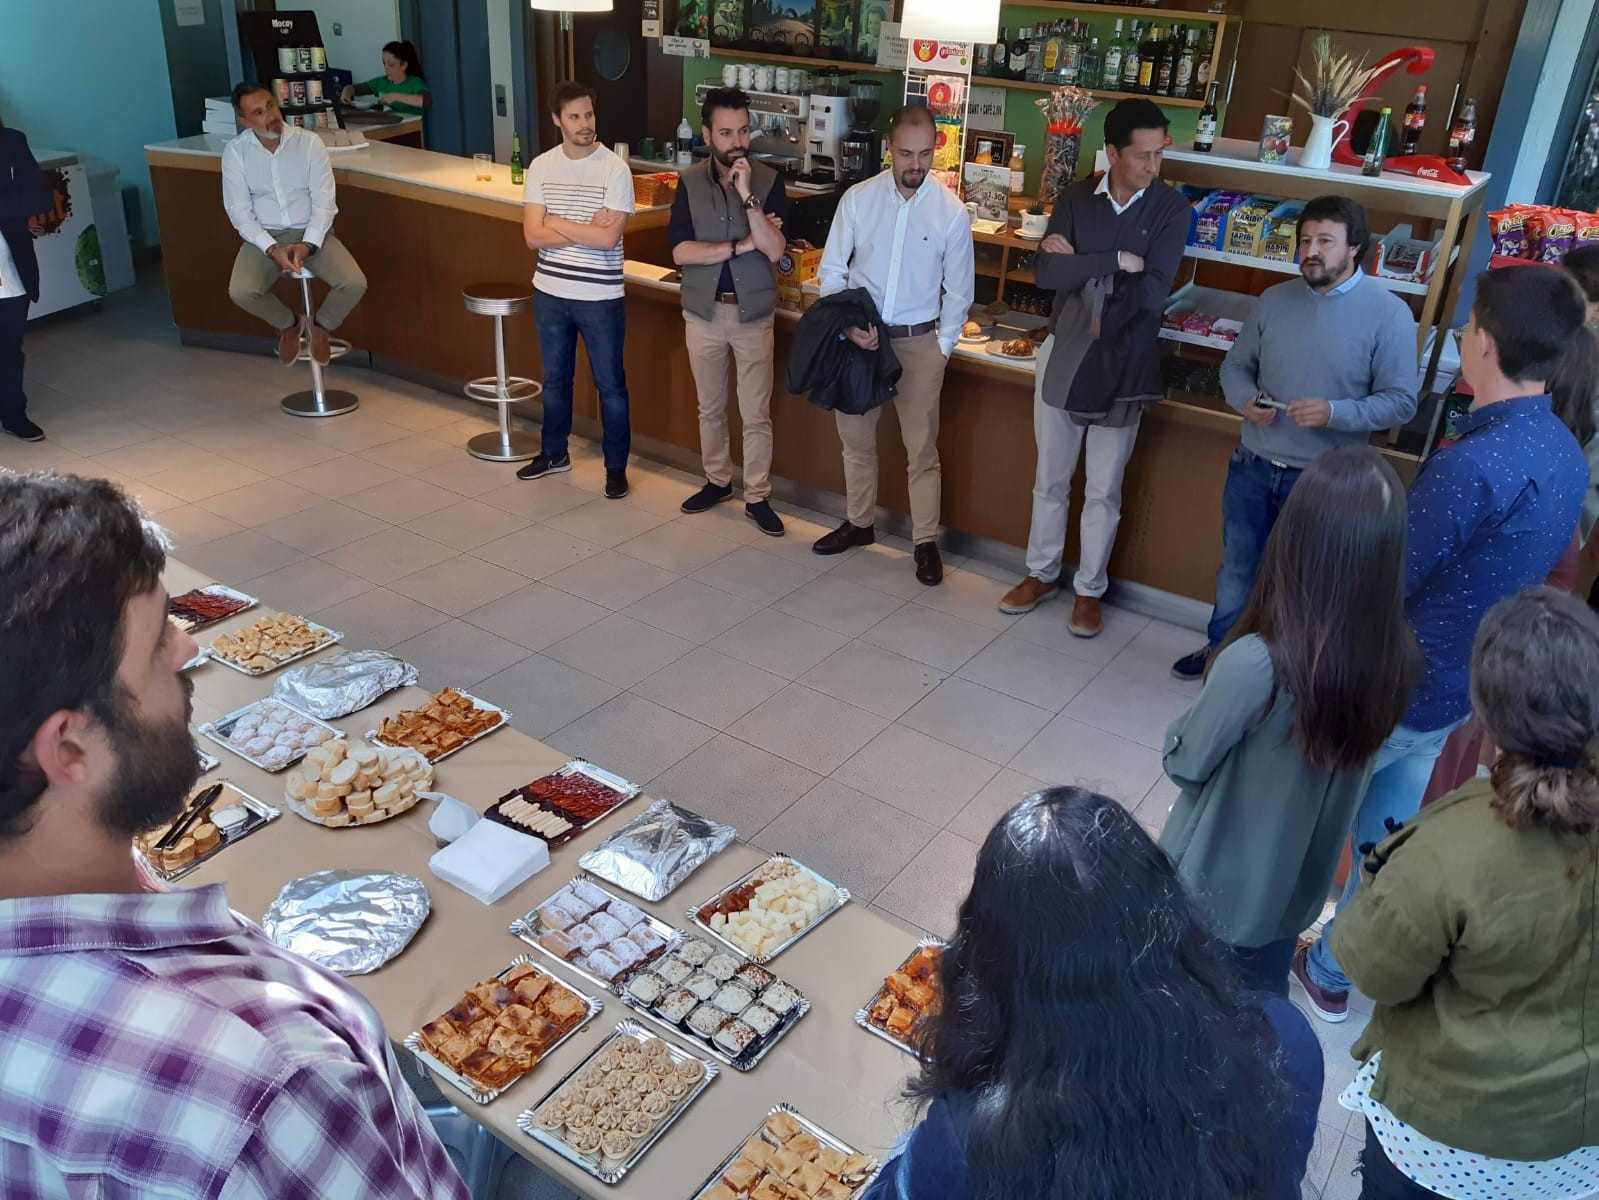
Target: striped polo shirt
column 577, row 188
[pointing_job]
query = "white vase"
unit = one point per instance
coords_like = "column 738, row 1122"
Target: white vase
column 1317, row 154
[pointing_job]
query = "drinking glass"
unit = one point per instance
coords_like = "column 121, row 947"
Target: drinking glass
column 485, row 167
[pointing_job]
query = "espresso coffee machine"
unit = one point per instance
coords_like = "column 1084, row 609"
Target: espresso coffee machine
column 861, row 149
column 830, row 120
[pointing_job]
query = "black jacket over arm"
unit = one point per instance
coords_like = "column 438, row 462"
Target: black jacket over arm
column 836, row 372
column 23, row 194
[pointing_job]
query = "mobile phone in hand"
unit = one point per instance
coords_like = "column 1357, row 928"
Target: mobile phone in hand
column 1264, row 401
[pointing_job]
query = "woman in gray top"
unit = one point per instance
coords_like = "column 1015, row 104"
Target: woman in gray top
column 1274, row 756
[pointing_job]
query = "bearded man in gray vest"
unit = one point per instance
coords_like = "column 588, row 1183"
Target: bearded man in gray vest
column 726, row 236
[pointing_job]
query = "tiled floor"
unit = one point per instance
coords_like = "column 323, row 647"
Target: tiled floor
column 829, row 707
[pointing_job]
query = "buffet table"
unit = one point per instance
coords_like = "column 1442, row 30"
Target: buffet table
column 827, row 1067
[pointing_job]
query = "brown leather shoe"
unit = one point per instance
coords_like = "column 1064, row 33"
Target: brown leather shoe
column 321, row 345
column 1026, row 596
column 1086, row 621
column 929, row 565
column 842, row 538
column 289, row 344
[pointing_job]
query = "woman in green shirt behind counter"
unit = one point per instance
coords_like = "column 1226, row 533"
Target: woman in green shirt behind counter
column 401, row 85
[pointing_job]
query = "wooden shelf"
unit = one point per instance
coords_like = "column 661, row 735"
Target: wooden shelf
column 1024, row 86
column 1122, row 10
column 794, row 60
column 1205, row 254
column 1020, row 275
column 986, row 272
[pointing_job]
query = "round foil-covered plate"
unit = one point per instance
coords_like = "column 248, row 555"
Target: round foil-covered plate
column 348, row 921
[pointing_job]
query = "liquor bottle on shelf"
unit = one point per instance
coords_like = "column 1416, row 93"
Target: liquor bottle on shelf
column 1378, row 149
column 1092, row 64
column 1149, row 56
column 1207, row 51
column 1072, row 53
column 1183, row 78
column 1461, row 134
column 1415, row 122
column 1132, row 48
column 516, row 158
column 998, row 53
column 1049, row 61
column 1166, row 67
column 1110, row 78
column 1016, row 62
column 980, row 55
column 1205, row 131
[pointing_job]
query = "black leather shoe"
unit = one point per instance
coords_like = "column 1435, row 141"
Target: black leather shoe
column 615, row 484
column 545, row 465
column 842, row 538
column 929, row 566
column 708, row 497
column 25, row 429
column 761, row 513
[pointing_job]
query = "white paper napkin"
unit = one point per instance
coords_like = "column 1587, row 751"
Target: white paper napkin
column 451, row 819
column 489, row 859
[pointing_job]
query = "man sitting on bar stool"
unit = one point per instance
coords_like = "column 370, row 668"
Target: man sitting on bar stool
column 277, row 187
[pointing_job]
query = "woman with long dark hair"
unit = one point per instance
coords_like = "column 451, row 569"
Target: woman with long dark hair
column 1275, row 754
column 401, row 86
column 1474, row 932
column 1092, row 1042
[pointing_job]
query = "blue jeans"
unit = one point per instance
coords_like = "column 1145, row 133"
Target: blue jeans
column 1250, row 505
column 603, row 324
column 1404, row 765
column 1265, row 968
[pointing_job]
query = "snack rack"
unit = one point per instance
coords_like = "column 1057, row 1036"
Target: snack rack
column 933, row 65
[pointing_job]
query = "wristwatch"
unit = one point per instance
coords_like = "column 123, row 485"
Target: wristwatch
column 752, row 201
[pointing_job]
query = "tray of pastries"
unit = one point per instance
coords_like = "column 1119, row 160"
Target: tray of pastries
column 270, row 642
column 599, row 935
column 731, row 1008
column 201, row 608
column 606, row 1114
column 343, row 783
column 1020, row 348
column 972, row 333
column 230, row 815
column 769, row 909
column 269, row 733
column 559, row 806
column 896, row 1009
column 790, row 1158
column 449, row 721
column 501, row 1028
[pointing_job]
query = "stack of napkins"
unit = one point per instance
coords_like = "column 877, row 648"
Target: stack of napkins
column 490, row 859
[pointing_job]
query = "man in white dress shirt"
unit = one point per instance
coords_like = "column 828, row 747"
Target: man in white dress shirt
column 277, row 187
column 904, row 238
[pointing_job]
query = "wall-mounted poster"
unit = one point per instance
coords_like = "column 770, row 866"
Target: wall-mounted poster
column 783, row 26
column 729, row 23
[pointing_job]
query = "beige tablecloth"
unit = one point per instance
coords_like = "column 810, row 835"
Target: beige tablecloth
column 831, row 1070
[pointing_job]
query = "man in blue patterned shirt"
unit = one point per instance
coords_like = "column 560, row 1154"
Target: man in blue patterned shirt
column 1490, row 514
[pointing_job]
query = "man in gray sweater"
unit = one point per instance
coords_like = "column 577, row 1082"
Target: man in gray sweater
column 1320, row 363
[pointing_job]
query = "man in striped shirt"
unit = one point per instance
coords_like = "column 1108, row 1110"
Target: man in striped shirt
column 152, row 1043
column 576, row 204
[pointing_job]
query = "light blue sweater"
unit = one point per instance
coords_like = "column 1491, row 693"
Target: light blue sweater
column 1356, row 349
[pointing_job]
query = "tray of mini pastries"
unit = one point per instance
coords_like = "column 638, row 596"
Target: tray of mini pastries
column 451, row 720
column 909, row 995
column 790, row 1158
column 594, row 932
column 501, row 1028
column 230, row 814
column 606, row 1114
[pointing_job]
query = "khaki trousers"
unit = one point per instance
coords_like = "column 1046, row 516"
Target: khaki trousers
column 917, row 405
column 254, row 274
column 749, row 345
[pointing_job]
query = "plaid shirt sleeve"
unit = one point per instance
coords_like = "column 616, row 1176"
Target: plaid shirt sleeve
column 342, row 1129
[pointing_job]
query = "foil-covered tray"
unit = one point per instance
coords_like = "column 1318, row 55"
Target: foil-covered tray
column 612, row 1170
column 334, row 637
column 372, row 735
column 218, row 731
column 193, row 624
column 863, row 1016
column 816, row 1131
column 752, row 1054
column 657, row 850
column 337, row 685
column 349, row 921
column 840, row 898
column 259, row 815
column 413, row 1040
column 530, row 929
column 624, row 791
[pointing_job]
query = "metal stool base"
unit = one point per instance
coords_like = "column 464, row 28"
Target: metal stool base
column 330, row 404
column 503, row 447
column 517, row 390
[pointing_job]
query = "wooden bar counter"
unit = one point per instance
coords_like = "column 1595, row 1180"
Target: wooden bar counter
column 422, row 229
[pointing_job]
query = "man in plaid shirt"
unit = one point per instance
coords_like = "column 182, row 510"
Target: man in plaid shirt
column 152, row 1044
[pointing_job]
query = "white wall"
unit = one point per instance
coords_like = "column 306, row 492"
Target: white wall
column 1537, row 137
column 499, row 14
column 367, row 24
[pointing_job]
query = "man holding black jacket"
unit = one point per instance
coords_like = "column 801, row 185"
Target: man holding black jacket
column 22, row 195
column 1113, row 245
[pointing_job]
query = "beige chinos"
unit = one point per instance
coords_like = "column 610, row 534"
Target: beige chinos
column 749, row 345
column 254, row 274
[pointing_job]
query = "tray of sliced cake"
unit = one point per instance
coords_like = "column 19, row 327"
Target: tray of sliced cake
column 896, row 1010
column 790, row 1158
column 450, row 721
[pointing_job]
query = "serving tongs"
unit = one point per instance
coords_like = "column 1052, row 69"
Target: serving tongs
column 190, row 815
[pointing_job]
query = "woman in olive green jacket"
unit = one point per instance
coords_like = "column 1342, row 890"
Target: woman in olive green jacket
column 1474, row 932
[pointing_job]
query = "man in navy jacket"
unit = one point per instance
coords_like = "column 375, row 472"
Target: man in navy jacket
column 22, row 195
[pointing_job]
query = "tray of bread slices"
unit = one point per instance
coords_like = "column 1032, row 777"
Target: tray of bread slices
column 343, row 783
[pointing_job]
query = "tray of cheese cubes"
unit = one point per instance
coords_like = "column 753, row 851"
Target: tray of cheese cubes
column 766, row 911
column 345, row 783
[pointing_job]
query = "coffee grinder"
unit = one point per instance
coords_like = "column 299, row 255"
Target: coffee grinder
column 861, row 149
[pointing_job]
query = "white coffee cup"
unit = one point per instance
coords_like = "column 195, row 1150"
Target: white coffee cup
column 763, row 79
column 781, row 80
column 730, row 75
column 1034, row 224
column 746, row 76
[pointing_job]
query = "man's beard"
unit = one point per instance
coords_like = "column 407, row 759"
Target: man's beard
column 1322, row 273
column 732, row 156
column 155, row 769
column 911, row 180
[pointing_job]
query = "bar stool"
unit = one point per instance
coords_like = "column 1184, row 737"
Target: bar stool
column 501, row 300
column 319, row 401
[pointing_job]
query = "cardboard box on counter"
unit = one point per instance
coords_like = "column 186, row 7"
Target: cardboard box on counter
column 797, row 267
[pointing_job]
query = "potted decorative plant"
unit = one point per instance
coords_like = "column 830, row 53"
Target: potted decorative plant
column 1337, row 83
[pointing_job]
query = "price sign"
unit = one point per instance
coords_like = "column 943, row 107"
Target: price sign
column 686, row 47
